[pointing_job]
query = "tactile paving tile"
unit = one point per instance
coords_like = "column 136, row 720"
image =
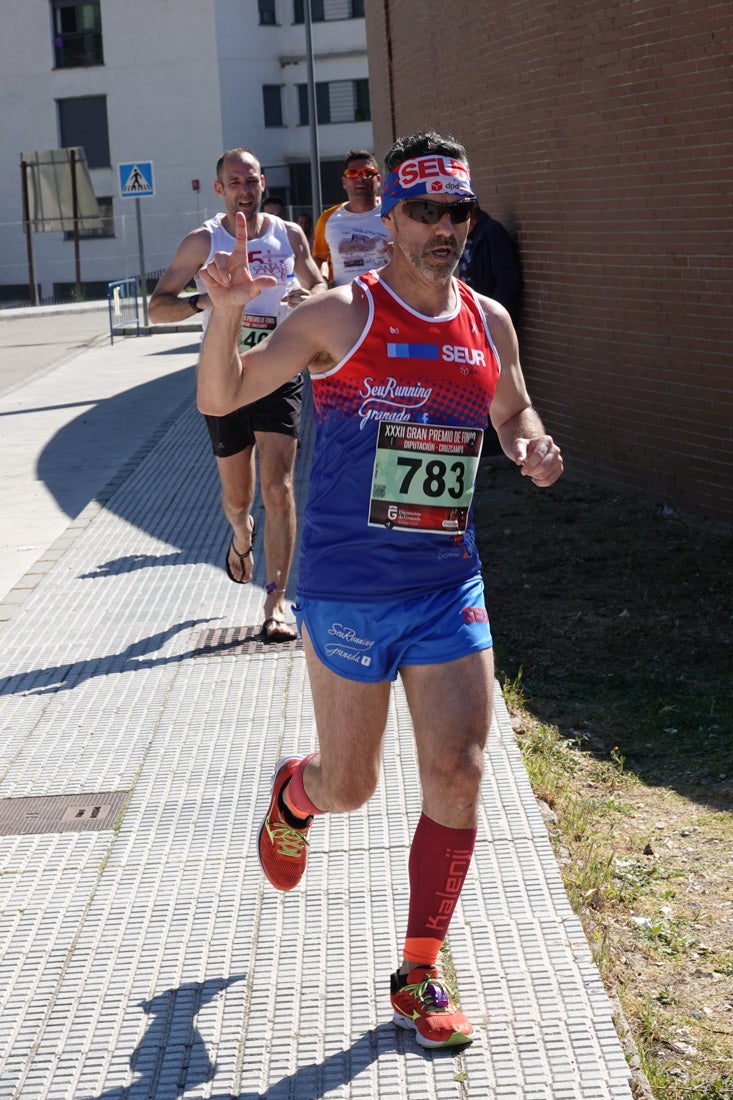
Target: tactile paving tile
column 153, row 960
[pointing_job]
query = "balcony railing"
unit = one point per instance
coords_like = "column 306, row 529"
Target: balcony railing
column 79, row 49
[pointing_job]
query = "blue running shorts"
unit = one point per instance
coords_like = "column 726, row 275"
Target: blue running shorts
column 369, row 641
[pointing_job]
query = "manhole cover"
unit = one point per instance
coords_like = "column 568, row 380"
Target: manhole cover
column 235, row 640
column 60, row 813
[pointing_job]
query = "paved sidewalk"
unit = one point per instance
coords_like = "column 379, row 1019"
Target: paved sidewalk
column 142, row 954
column 73, row 410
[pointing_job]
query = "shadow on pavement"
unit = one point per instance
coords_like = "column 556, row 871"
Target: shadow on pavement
column 172, row 1057
column 43, row 681
column 64, row 465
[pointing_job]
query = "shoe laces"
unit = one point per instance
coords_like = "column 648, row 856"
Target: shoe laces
column 287, row 841
column 432, row 994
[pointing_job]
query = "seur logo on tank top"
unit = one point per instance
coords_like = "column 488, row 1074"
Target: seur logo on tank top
column 449, row 353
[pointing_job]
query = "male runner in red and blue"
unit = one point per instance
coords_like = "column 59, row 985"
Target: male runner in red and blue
column 405, row 365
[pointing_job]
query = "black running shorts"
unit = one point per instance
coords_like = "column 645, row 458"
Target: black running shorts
column 278, row 412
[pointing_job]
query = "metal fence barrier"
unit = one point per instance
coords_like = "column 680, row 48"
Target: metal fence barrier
column 124, row 307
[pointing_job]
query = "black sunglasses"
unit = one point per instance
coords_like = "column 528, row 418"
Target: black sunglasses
column 430, row 213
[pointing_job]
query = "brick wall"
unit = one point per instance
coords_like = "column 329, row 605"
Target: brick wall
column 600, row 133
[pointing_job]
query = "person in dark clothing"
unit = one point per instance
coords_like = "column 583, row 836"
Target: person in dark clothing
column 490, row 263
column 490, row 266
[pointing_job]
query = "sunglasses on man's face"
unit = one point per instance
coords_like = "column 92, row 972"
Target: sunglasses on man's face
column 367, row 172
column 430, row 213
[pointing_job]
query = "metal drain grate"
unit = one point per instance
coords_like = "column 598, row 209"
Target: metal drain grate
column 235, row 640
column 61, row 813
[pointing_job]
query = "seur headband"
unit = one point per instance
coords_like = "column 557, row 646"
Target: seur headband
column 429, row 175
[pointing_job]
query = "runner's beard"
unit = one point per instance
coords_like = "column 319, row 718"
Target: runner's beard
column 422, row 259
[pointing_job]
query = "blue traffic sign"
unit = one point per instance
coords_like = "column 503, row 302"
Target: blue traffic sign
column 136, row 179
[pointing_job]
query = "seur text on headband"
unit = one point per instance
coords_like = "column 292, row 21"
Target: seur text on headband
column 428, row 175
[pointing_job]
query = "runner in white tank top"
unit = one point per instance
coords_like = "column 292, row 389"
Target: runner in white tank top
column 277, row 248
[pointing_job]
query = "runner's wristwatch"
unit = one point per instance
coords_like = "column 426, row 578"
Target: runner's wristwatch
column 193, row 301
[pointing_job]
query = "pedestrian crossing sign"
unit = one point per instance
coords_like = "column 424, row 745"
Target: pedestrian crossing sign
column 136, row 179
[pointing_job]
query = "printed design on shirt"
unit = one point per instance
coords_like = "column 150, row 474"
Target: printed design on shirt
column 449, row 353
column 360, row 249
column 392, row 400
column 410, row 369
column 269, row 263
column 395, row 397
column 362, row 242
column 412, row 351
column 347, row 645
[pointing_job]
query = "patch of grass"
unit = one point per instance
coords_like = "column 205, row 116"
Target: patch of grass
column 664, row 935
column 512, row 691
column 613, row 625
column 724, row 964
column 549, row 763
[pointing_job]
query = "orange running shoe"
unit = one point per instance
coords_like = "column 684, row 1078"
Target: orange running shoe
column 282, row 846
column 422, row 1004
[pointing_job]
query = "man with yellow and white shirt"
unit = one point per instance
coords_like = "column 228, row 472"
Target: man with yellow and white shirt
column 350, row 237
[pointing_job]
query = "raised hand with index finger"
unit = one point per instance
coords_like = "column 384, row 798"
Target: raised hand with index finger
column 227, row 277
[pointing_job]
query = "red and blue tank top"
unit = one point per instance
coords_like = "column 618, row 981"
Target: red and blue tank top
column 399, row 425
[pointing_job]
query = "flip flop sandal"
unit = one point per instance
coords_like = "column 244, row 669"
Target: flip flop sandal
column 246, row 554
column 283, row 632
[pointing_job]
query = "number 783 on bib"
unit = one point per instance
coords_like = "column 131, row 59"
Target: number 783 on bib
column 424, row 477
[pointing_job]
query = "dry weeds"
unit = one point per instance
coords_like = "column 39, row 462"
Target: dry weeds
column 613, row 626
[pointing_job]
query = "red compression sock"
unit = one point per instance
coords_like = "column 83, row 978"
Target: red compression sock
column 294, row 794
column 438, row 865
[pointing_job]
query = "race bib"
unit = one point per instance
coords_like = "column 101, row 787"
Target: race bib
column 424, row 477
column 255, row 328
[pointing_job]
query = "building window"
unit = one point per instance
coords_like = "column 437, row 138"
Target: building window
column 337, row 101
column 77, row 33
column 272, row 100
column 323, row 112
column 107, row 229
column 322, row 11
column 267, row 13
column 362, row 105
column 83, row 121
